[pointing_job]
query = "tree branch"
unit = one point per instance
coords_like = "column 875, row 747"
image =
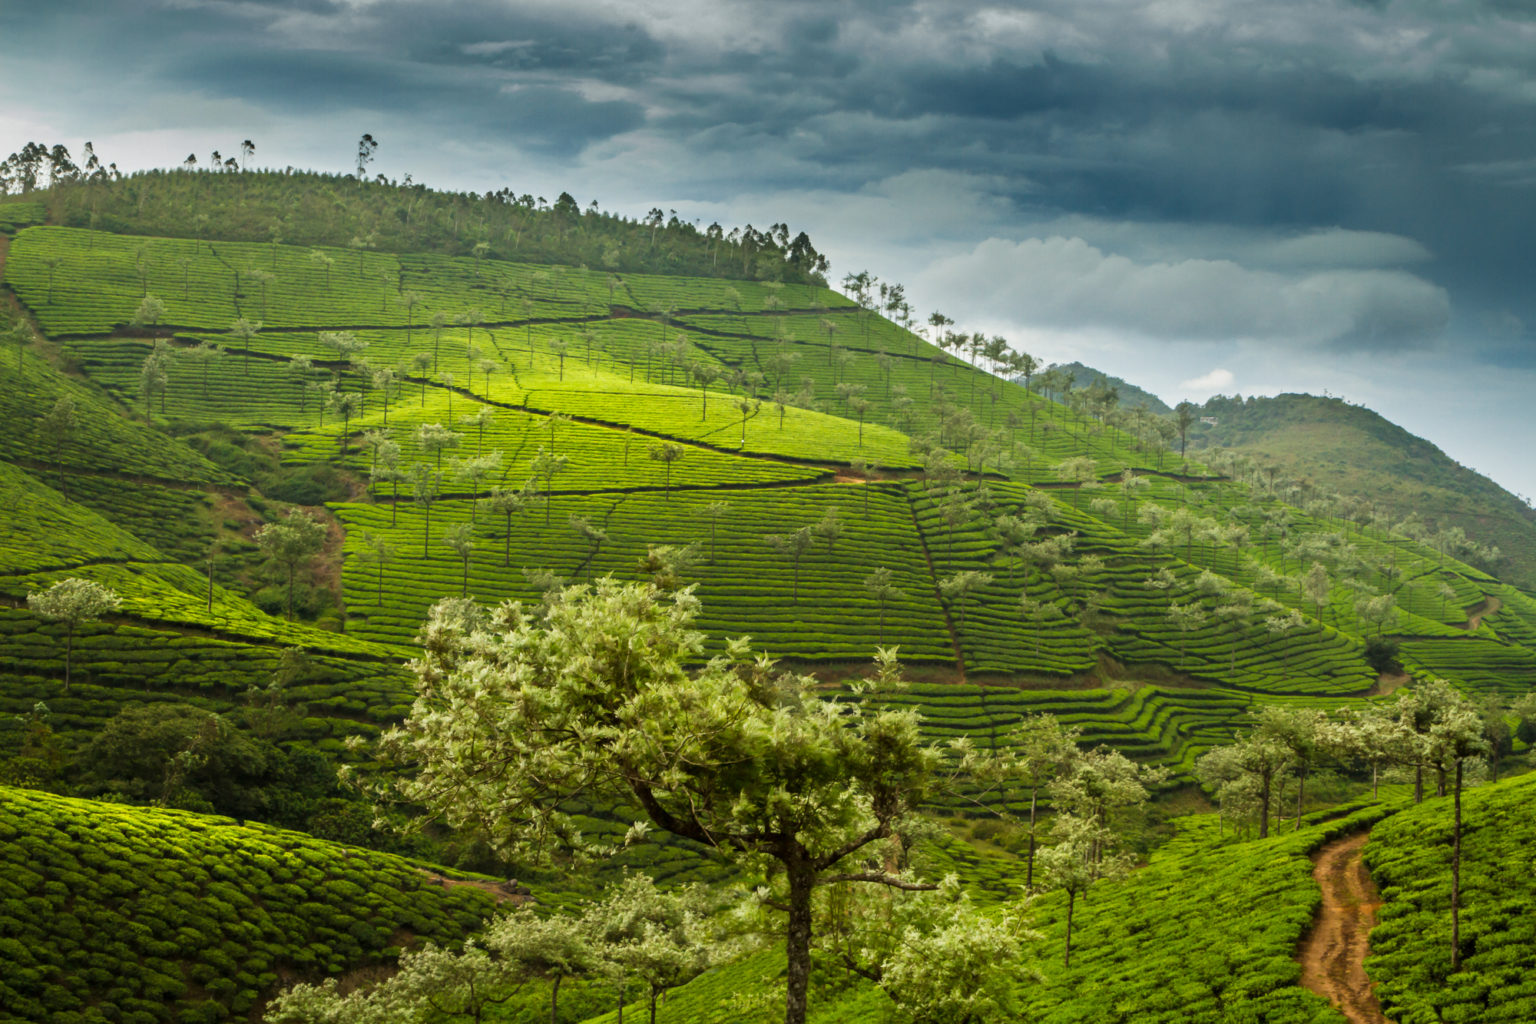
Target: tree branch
column 880, row 831
column 877, row 876
column 864, row 972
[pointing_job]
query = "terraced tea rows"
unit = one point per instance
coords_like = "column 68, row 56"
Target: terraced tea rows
column 120, row 913
column 761, row 394
column 1409, row 857
column 818, row 610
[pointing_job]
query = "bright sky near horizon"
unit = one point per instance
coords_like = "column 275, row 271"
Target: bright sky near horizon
column 1200, row 196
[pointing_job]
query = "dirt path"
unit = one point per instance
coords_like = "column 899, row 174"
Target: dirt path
column 501, row 892
column 1475, row 618
column 1389, row 682
column 1333, row 955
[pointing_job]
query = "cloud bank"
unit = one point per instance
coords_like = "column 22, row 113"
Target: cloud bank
column 1063, row 282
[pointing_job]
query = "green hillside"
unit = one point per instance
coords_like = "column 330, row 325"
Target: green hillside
column 483, row 404
column 1329, row 444
column 113, row 913
column 1033, row 547
column 1129, row 396
column 1209, row 928
column 1409, row 856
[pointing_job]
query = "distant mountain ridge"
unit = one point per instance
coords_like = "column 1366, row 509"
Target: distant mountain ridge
column 1357, row 452
column 1131, row 396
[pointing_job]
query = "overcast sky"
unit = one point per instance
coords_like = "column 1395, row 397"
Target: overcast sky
column 1197, row 195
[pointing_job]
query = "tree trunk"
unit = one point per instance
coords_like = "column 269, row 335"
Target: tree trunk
column 1301, row 790
column 554, row 1000
column 1264, row 810
column 1071, row 899
column 798, row 942
column 1029, row 864
column 1418, row 783
column 1456, row 877
column 654, row 993
column 69, row 651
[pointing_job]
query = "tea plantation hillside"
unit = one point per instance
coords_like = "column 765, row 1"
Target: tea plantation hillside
column 1206, row 932
column 1409, row 857
column 114, row 913
column 477, row 425
column 280, row 417
column 1346, row 448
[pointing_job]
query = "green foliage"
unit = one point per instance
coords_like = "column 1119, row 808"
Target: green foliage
column 1351, row 449
column 188, row 917
column 402, row 217
column 1409, row 856
column 176, row 755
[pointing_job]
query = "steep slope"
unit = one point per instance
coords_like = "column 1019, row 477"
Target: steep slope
column 1352, row 450
column 112, row 913
column 1409, row 857
column 489, row 426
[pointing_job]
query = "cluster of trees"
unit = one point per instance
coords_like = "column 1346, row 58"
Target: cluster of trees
column 637, row 934
column 38, row 166
column 241, row 763
column 306, row 208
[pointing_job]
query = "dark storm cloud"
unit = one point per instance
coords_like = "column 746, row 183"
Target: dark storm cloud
column 509, row 37
column 544, row 118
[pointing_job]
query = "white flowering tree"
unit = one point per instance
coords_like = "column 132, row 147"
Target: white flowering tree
column 522, row 710
column 73, row 602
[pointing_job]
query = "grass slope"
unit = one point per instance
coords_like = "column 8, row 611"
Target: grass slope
column 1353, row 450
column 1409, row 857
column 121, row 914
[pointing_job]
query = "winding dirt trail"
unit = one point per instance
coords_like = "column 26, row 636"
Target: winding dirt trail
column 1333, row 956
column 501, row 892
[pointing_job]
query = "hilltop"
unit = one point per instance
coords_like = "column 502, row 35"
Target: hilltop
column 1129, row 395
column 1330, row 443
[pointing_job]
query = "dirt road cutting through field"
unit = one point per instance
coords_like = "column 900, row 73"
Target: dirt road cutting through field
column 1333, row 955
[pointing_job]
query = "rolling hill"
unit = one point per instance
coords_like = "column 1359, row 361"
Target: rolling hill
column 465, row 412
column 1329, row 443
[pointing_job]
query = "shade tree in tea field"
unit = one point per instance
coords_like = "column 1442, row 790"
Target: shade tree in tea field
column 576, row 696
